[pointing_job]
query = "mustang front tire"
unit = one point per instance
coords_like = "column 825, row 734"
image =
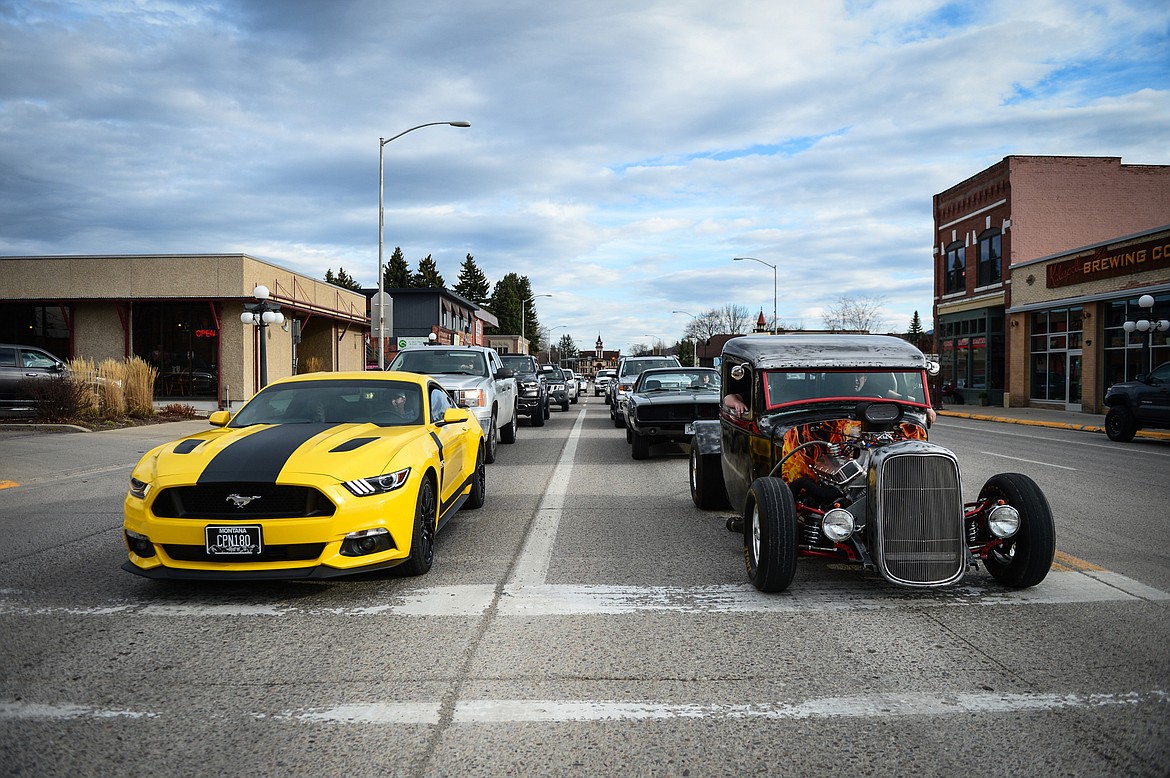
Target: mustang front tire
column 769, row 535
column 422, row 539
column 1025, row 558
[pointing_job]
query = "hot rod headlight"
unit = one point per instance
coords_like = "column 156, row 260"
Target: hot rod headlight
column 837, row 524
column 1003, row 521
column 378, row 484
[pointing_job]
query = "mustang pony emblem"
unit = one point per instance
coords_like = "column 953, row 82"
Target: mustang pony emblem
column 240, row 500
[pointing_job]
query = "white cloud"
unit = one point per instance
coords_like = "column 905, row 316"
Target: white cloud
column 621, row 152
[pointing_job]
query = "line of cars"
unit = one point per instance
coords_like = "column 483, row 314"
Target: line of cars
column 329, row 474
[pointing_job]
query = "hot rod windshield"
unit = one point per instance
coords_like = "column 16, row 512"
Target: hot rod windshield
column 787, row 387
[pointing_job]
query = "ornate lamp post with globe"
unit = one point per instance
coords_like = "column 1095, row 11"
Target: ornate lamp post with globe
column 260, row 314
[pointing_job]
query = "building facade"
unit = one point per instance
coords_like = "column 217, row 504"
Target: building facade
column 1021, row 210
column 182, row 314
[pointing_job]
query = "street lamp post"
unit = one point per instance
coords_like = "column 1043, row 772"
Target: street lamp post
column 260, row 314
column 694, row 342
column 550, row 332
column 523, row 303
column 381, row 227
column 774, row 284
column 1147, row 326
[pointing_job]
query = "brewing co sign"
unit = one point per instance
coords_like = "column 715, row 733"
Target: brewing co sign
column 1109, row 263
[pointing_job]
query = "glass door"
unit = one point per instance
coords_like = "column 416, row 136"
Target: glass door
column 1074, row 381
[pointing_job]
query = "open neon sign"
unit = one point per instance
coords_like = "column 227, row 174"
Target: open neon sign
column 206, row 333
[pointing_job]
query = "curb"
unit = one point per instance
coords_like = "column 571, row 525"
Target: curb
column 1055, row 424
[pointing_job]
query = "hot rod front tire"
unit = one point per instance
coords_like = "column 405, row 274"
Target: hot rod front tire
column 769, row 535
column 1025, row 558
column 708, row 492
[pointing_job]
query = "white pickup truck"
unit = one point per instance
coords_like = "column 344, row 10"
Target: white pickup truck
column 476, row 378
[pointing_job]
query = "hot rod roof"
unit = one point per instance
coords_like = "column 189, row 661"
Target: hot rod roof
column 820, row 351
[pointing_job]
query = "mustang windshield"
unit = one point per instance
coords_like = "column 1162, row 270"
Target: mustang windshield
column 386, row 403
column 798, row 386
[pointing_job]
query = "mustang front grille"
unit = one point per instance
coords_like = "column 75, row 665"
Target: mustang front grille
column 241, row 501
column 918, row 519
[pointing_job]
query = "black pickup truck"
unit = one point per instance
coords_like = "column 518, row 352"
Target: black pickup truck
column 531, row 387
column 1134, row 405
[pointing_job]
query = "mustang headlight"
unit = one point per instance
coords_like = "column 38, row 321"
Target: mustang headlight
column 378, row 484
column 1003, row 521
column 139, row 488
column 837, row 524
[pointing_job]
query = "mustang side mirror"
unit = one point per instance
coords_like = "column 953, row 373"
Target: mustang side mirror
column 219, row 418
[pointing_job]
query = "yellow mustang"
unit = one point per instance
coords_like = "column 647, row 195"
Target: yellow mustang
column 317, row 475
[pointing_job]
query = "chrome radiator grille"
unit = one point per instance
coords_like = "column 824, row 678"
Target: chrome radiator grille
column 919, row 519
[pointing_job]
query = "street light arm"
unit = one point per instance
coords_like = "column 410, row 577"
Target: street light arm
column 384, row 141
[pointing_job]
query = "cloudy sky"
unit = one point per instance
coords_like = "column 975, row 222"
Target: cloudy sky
column 621, row 151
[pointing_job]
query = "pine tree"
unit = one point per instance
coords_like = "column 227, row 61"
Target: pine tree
column 473, row 284
column 342, row 279
column 396, row 274
column 428, row 274
column 915, row 330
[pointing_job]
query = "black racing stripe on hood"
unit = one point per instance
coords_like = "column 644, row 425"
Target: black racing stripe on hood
column 350, row 445
column 261, row 455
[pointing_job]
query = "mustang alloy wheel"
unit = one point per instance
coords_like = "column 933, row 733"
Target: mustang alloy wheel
column 422, row 539
column 1025, row 558
column 769, row 535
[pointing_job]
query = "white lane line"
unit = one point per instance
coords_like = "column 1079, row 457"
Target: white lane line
column 892, row 705
column 1029, row 461
column 31, row 710
column 533, row 563
column 864, row 706
column 942, row 703
column 472, row 601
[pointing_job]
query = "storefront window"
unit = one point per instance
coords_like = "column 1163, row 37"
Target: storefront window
column 1056, row 360
column 36, row 325
column 1128, row 354
column 181, row 341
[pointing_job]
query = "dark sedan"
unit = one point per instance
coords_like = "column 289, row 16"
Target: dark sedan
column 664, row 404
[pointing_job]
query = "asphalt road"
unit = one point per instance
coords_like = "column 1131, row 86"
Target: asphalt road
column 587, row 621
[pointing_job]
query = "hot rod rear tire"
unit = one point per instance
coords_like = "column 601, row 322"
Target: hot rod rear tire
column 769, row 535
column 1026, row 557
column 708, row 492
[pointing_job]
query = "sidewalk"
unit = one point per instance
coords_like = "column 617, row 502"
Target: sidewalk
column 1041, row 417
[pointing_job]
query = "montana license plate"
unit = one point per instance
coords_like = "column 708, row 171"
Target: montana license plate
column 236, row 540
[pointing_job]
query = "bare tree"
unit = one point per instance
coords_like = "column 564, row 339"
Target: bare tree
column 735, row 319
column 731, row 319
column 858, row 314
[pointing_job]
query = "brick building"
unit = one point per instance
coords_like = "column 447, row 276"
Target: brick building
column 1029, row 212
